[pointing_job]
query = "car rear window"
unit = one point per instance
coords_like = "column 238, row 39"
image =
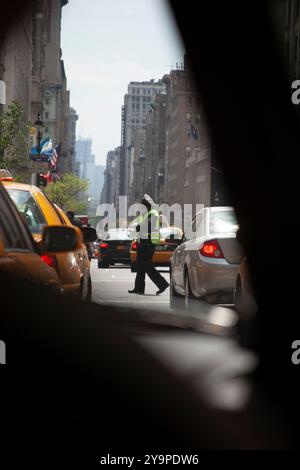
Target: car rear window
column 223, row 222
column 29, row 209
column 170, row 233
column 119, row 235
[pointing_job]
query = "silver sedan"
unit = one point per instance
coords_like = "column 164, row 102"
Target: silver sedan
column 206, row 262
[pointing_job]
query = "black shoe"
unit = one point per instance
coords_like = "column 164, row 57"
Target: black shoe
column 162, row 289
column 133, row 291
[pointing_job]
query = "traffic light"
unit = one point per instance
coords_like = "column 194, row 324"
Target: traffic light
column 41, row 180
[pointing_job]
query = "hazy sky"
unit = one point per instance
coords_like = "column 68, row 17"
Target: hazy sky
column 106, row 44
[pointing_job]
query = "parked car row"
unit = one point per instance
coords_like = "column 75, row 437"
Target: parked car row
column 38, row 241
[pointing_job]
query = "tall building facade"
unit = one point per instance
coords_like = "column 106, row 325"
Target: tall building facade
column 99, row 175
column 137, row 102
column 139, row 165
column 86, row 160
column 110, row 190
column 32, row 74
column 187, row 156
column 16, row 62
column 155, row 148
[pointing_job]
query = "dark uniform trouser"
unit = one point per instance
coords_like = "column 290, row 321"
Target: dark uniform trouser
column 144, row 266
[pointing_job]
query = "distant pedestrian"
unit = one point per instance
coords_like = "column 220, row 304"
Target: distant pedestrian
column 73, row 219
column 148, row 236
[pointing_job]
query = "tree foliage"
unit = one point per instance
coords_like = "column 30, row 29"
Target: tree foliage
column 69, row 193
column 14, row 133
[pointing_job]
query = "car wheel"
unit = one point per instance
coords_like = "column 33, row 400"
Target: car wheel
column 89, row 290
column 133, row 267
column 176, row 300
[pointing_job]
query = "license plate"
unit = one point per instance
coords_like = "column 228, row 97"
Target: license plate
column 121, row 247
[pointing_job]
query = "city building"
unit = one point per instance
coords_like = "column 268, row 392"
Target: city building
column 32, row 74
column 137, row 102
column 68, row 162
column 187, row 156
column 99, row 176
column 54, row 88
column 16, row 63
column 110, row 191
column 139, row 180
column 155, row 148
column 86, row 159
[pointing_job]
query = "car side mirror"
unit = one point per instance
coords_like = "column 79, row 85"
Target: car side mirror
column 89, row 234
column 61, row 238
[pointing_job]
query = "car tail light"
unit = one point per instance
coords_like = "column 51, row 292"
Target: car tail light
column 104, row 245
column 50, row 261
column 133, row 246
column 211, row 249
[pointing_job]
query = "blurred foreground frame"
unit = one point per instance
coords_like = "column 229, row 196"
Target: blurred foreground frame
column 236, row 59
column 254, row 126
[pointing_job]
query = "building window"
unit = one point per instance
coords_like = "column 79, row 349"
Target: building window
column 149, row 98
column 198, row 118
column 189, row 100
column 137, row 91
column 149, row 91
column 46, row 115
column 188, row 117
column 187, row 152
column 144, row 91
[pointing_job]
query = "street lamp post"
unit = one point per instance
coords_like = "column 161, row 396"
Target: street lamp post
column 39, row 127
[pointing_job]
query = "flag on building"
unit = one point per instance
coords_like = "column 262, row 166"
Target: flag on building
column 43, row 153
column 54, row 158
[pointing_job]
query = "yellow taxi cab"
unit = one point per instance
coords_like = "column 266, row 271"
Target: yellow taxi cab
column 73, row 268
column 163, row 251
column 19, row 254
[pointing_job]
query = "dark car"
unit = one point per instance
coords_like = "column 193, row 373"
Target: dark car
column 115, row 247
